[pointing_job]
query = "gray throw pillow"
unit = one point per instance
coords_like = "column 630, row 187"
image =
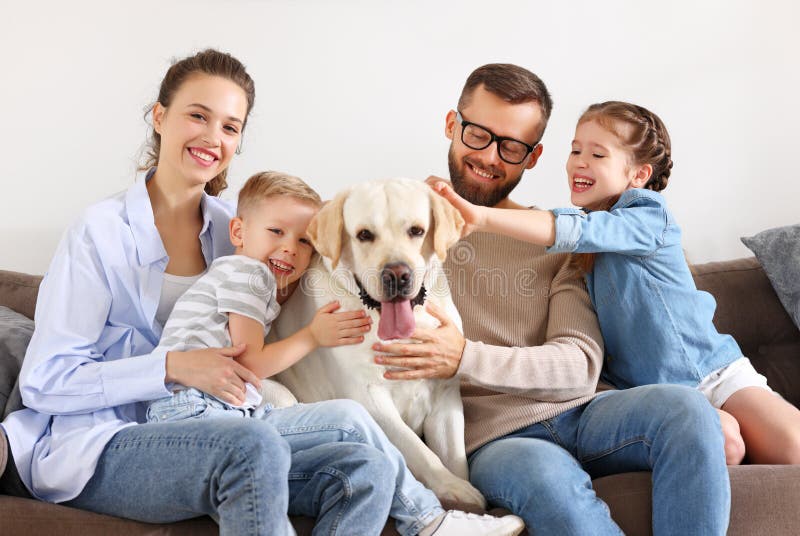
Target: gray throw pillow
column 15, row 334
column 778, row 251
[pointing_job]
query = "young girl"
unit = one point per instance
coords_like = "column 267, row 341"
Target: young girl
column 92, row 364
column 656, row 325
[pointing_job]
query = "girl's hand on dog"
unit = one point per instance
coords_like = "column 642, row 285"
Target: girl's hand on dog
column 474, row 215
column 330, row 328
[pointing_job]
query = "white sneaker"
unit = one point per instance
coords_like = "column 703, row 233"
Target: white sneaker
column 458, row 523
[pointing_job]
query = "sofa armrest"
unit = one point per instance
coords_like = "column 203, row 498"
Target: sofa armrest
column 18, row 291
column 750, row 311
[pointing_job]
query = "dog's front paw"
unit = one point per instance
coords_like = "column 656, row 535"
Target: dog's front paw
column 277, row 394
column 451, row 488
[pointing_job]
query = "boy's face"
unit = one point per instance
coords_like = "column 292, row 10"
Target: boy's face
column 274, row 232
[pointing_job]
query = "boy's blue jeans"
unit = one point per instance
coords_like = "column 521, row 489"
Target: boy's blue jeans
column 341, row 469
column 543, row 472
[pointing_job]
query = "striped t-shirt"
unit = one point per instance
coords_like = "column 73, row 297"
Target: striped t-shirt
column 233, row 284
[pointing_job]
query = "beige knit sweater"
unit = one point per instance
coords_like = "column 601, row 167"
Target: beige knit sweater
column 533, row 348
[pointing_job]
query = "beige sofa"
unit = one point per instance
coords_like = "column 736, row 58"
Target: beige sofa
column 765, row 499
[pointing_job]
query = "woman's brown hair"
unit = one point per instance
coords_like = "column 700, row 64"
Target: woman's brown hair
column 209, row 62
column 645, row 137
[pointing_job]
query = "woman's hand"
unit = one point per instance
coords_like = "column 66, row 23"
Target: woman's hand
column 474, row 215
column 329, row 328
column 213, row 371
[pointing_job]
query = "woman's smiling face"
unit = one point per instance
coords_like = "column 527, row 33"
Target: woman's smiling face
column 201, row 128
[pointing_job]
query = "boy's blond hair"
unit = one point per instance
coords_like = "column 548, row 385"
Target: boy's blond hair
column 274, row 183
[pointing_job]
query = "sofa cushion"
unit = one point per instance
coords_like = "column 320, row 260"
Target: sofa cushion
column 763, row 500
column 15, row 334
column 778, row 251
column 29, row 516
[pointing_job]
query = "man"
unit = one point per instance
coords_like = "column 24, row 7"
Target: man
column 538, row 428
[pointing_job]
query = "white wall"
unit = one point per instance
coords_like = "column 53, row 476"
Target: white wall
column 349, row 90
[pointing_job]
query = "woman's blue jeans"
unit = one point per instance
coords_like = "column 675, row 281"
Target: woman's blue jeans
column 328, row 460
column 543, row 472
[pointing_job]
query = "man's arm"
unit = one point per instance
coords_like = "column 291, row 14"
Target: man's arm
column 565, row 367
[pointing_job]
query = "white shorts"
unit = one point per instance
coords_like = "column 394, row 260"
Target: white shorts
column 722, row 383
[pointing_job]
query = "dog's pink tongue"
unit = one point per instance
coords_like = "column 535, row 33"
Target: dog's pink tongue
column 397, row 320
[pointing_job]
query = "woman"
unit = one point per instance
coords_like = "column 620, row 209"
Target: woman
column 91, row 364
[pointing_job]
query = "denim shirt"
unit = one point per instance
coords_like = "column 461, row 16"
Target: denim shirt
column 656, row 325
column 96, row 307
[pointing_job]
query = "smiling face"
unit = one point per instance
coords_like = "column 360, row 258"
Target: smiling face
column 200, row 129
column 481, row 176
column 599, row 166
column 273, row 231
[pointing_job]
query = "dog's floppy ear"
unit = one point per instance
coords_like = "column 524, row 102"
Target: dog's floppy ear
column 327, row 227
column 447, row 224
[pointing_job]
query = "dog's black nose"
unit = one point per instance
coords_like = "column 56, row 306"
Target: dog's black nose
column 396, row 278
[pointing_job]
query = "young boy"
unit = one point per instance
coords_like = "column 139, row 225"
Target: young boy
column 239, row 296
column 235, row 302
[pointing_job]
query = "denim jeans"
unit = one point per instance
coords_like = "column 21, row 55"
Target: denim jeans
column 231, row 469
column 344, row 471
column 413, row 506
column 543, row 472
column 191, row 403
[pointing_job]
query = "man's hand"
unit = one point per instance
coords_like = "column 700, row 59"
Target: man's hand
column 437, row 355
column 474, row 215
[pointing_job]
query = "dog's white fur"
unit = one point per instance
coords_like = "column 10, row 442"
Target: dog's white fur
column 405, row 409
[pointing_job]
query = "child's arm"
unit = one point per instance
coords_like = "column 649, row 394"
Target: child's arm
column 534, row 226
column 638, row 228
column 326, row 329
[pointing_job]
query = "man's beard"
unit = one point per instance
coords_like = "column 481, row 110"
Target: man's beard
column 487, row 196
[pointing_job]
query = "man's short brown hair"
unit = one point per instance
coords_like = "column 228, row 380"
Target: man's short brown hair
column 512, row 83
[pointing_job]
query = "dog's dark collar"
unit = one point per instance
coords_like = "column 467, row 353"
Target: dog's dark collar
column 370, row 303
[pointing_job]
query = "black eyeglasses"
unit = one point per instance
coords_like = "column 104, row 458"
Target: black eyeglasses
column 477, row 137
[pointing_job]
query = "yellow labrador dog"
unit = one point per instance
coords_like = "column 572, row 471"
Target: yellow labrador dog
column 381, row 245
